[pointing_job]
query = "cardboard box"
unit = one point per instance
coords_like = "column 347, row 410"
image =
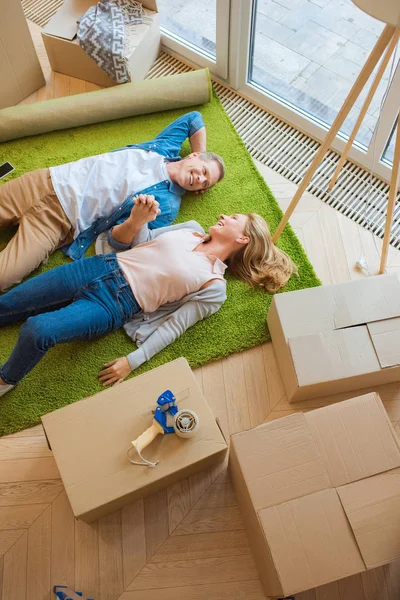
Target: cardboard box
column 66, row 56
column 319, row 494
column 90, row 439
column 20, row 71
column 337, row 338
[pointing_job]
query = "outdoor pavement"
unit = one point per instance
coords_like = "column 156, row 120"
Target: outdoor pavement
column 308, row 52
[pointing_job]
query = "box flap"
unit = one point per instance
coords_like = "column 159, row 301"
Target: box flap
column 311, row 541
column 337, row 306
column 331, row 355
column 385, row 337
column 355, row 439
column 280, row 461
column 373, row 509
column 315, row 305
column 20, row 71
column 258, row 543
column 364, row 300
column 64, row 23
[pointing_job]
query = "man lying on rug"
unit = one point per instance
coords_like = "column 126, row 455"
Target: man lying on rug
column 173, row 278
column 70, row 205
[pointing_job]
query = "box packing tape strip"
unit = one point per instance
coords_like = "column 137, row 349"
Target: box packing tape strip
column 126, row 100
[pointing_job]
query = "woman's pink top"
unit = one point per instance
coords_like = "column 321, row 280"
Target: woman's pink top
column 167, row 268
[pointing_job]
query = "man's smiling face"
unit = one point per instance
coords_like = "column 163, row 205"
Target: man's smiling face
column 196, row 174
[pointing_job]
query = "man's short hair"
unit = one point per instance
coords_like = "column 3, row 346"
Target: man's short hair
column 209, row 156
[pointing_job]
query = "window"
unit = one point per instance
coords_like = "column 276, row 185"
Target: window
column 309, row 53
column 192, row 22
column 388, row 154
column 297, row 58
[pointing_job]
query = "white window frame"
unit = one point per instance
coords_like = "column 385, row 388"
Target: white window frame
column 241, row 23
column 195, row 55
column 387, row 120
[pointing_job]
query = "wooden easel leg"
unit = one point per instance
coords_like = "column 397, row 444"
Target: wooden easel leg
column 361, row 80
column 365, row 107
column 392, row 199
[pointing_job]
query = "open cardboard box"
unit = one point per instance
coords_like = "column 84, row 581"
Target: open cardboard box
column 90, row 439
column 20, row 71
column 66, row 56
column 337, row 338
column 319, row 494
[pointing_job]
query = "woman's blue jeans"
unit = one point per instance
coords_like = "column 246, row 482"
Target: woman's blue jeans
column 81, row 300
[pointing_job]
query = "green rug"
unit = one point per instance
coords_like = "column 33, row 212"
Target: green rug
column 69, row 371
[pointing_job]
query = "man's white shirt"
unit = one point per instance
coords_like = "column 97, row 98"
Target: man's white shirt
column 93, row 187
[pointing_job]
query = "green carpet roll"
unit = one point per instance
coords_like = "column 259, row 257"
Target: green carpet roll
column 126, row 100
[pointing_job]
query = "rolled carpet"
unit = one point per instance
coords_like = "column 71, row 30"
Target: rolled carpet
column 126, row 100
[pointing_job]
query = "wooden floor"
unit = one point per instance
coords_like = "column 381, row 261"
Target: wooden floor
column 188, row 541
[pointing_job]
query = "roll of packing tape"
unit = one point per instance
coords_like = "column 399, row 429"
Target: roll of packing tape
column 126, row 100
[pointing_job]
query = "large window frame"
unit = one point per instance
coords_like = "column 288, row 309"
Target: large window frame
column 235, row 19
column 180, row 47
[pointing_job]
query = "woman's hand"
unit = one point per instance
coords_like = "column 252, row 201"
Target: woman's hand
column 115, row 371
column 145, row 209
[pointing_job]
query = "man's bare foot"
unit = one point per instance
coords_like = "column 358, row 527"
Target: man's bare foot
column 2, row 382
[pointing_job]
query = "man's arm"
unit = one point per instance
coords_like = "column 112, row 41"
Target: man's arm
column 169, row 141
column 198, row 141
column 135, row 230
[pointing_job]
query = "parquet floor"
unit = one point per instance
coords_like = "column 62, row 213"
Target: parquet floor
column 188, row 541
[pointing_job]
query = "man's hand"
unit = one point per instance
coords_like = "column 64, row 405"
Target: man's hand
column 115, row 371
column 145, row 209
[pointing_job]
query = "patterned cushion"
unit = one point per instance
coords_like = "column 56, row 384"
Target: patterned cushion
column 101, row 33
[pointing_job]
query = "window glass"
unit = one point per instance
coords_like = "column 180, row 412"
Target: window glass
column 191, row 21
column 309, row 53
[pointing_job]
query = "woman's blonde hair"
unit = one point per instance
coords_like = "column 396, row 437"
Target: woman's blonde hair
column 260, row 262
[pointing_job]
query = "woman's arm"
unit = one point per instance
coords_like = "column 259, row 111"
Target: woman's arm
column 184, row 317
column 146, row 235
column 135, row 230
column 145, row 209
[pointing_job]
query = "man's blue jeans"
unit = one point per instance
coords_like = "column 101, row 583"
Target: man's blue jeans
column 81, row 300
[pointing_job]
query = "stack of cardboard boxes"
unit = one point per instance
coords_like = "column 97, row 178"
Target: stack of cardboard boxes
column 337, row 338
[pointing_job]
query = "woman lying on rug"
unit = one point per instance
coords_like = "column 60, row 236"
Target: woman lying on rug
column 160, row 288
